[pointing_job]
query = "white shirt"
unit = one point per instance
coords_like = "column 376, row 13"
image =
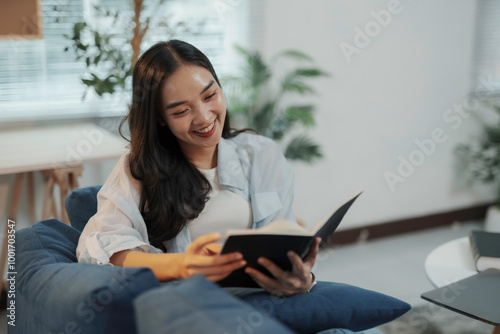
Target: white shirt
column 224, row 210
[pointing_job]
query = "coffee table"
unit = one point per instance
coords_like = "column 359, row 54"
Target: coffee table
column 451, row 262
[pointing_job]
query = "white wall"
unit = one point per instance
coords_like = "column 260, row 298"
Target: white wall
column 395, row 91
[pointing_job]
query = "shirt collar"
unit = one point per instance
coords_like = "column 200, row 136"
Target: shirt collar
column 229, row 166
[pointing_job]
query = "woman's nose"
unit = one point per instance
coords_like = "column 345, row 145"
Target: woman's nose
column 202, row 114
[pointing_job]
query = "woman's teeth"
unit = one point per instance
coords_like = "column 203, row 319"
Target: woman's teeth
column 208, row 128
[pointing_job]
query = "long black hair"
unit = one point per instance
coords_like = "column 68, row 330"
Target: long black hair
column 173, row 190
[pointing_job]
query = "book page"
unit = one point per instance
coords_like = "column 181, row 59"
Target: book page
column 277, row 227
column 286, row 227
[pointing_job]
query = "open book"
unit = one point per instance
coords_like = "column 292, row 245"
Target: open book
column 275, row 240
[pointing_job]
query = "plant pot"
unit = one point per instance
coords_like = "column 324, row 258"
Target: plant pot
column 492, row 220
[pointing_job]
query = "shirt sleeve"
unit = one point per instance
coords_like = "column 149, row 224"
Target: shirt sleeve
column 118, row 224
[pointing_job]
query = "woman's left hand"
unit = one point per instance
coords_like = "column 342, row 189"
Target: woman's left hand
column 285, row 283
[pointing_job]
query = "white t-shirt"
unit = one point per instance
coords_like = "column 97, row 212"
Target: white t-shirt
column 224, row 210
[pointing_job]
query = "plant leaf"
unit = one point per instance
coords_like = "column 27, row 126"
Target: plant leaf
column 97, row 39
column 303, row 148
column 492, row 134
column 255, row 69
column 297, row 87
column 497, row 109
column 258, row 72
column 262, row 120
column 242, row 50
column 293, row 54
column 77, row 29
column 309, row 72
column 302, row 114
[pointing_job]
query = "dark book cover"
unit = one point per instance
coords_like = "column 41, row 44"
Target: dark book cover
column 274, row 245
column 485, row 247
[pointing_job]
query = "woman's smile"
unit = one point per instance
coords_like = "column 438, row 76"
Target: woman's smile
column 206, row 131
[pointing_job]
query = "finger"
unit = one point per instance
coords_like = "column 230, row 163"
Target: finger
column 269, row 284
column 287, row 279
column 275, row 270
column 217, row 277
column 298, row 266
column 219, row 270
column 212, row 249
column 197, row 245
column 262, row 279
column 313, row 251
column 195, row 261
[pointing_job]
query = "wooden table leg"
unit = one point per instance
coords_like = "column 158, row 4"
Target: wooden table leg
column 16, row 195
column 63, row 182
column 66, row 180
column 31, row 194
column 48, row 197
column 70, row 183
column 73, row 178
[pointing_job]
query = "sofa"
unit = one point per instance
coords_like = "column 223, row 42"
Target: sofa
column 56, row 294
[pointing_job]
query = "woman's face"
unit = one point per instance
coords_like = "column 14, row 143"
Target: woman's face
column 193, row 107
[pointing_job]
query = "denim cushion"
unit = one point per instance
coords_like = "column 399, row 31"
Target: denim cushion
column 196, row 305
column 334, row 305
column 81, row 205
column 61, row 295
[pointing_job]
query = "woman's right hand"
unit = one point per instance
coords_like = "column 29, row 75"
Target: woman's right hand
column 199, row 259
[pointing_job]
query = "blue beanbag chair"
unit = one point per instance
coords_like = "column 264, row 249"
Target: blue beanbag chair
column 196, row 305
column 201, row 306
column 56, row 294
column 330, row 305
column 81, row 205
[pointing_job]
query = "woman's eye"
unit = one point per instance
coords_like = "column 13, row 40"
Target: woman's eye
column 179, row 112
column 210, row 96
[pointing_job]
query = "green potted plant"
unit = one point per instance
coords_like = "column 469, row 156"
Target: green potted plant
column 109, row 52
column 483, row 164
column 268, row 97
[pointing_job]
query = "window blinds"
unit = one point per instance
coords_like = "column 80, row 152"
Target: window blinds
column 486, row 55
column 38, row 79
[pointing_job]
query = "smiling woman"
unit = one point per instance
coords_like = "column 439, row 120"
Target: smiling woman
column 187, row 178
column 179, row 129
column 183, row 158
